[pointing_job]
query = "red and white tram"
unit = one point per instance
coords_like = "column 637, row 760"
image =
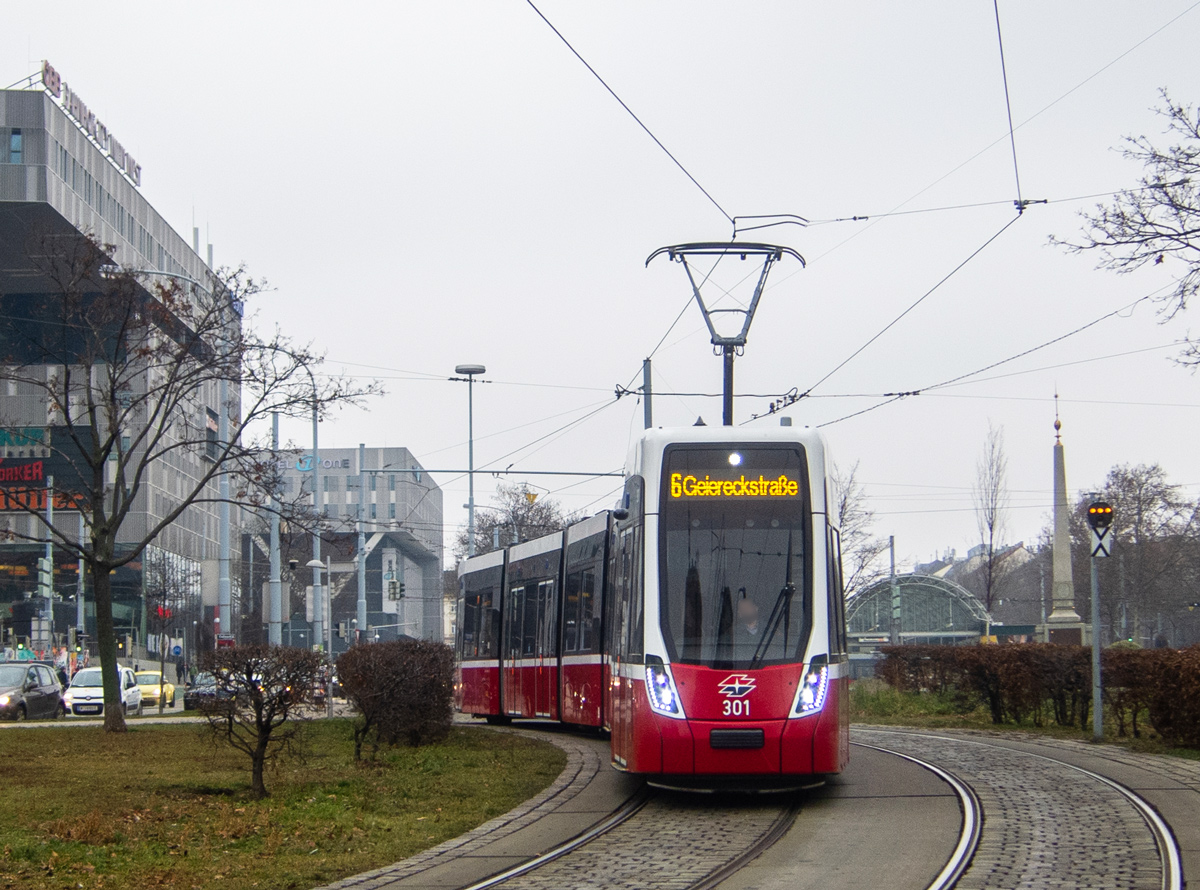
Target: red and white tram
column 701, row 622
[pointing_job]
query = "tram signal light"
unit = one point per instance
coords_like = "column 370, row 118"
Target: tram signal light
column 1100, row 515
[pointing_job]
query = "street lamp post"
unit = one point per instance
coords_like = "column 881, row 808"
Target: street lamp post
column 470, row 371
column 317, row 566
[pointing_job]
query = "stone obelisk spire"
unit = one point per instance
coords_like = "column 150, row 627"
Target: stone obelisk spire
column 1062, row 586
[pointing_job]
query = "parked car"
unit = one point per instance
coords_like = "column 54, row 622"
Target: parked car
column 85, row 696
column 29, row 691
column 148, row 682
column 204, row 695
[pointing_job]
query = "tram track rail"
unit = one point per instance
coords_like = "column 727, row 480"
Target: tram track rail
column 972, row 819
column 619, row 816
column 785, row 814
column 1169, row 858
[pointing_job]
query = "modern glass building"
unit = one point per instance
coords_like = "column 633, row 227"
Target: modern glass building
column 63, row 173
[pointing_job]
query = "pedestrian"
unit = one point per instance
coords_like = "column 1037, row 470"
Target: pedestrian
column 180, row 668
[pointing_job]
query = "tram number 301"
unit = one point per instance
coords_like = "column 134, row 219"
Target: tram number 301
column 737, row 707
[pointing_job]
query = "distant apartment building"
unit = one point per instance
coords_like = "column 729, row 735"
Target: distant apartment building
column 400, row 508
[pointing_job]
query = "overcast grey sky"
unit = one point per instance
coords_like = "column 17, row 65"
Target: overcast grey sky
column 427, row 184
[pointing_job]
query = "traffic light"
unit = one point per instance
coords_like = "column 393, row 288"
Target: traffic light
column 395, row 590
column 1100, row 515
column 341, row 630
column 45, row 576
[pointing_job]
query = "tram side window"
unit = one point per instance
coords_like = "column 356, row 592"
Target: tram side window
column 587, row 606
column 637, row 610
column 529, row 623
column 837, row 599
column 571, row 612
column 546, row 623
column 478, row 623
column 515, row 625
column 468, row 623
column 579, row 628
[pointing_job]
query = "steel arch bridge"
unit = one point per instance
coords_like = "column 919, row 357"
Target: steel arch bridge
column 932, row 610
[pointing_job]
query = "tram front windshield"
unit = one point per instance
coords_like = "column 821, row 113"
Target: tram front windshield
column 734, row 586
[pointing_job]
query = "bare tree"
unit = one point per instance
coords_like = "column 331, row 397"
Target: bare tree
column 1159, row 220
column 990, row 494
column 259, row 690
column 862, row 564
column 1155, row 529
column 515, row 514
column 126, row 372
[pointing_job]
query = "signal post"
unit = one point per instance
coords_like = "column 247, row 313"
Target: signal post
column 1100, row 517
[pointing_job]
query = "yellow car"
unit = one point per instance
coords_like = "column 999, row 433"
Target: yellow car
column 148, row 682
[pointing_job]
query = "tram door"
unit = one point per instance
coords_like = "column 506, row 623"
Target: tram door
column 530, row 669
column 545, row 655
column 514, row 646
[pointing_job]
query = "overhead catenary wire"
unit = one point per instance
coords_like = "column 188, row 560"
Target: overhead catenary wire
column 1012, row 136
column 629, row 110
column 911, row 307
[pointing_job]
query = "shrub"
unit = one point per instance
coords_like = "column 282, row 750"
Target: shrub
column 403, row 691
column 259, row 689
column 1173, row 700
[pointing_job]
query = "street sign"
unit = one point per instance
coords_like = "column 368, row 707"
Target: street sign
column 176, row 650
column 1102, row 542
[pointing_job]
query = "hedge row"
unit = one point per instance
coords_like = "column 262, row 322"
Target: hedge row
column 1038, row 682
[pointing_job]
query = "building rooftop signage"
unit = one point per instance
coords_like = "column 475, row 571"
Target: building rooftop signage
column 77, row 109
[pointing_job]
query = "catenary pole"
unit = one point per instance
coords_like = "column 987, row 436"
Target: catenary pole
column 275, row 607
column 361, row 610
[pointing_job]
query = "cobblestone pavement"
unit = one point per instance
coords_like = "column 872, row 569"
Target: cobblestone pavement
column 1045, row 825
column 672, row 843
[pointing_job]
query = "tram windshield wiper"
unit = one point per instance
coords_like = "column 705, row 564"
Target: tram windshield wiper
column 781, row 613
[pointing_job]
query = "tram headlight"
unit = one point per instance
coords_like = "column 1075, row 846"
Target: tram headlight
column 814, row 687
column 660, row 689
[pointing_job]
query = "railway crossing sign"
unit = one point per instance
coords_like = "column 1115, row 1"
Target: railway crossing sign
column 1100, row 517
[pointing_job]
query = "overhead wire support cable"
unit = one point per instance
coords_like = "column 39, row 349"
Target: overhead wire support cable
column 914, row 305
column 629, row 110
column 1012, row 136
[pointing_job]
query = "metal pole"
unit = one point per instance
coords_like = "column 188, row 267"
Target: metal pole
column 80, row 606
column 319, row 510
column 1097, row 698
column 727, row 392
column 470, row 465
column 50, row 560
column 224, row 585
column 329, row 636
column 647, row 413
column 895, row 635
column 275, row 616
column 361, row 611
